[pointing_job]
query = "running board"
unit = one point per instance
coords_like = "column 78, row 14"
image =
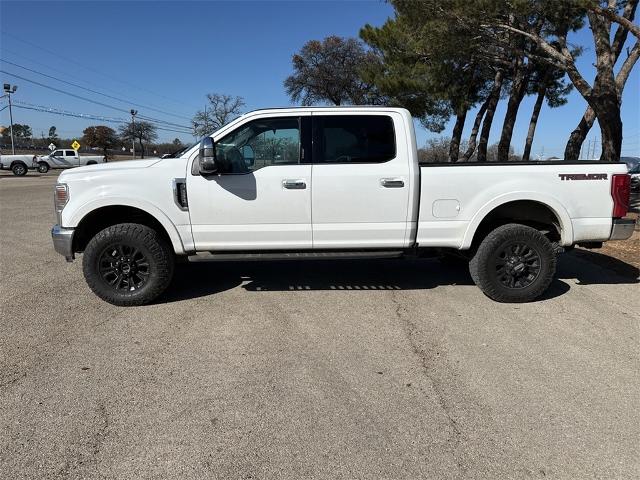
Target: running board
column 221, row 257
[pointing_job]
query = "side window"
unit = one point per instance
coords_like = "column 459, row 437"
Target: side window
column 57, row 153
column 258, row 144
column 354, row 139
column 70, row 153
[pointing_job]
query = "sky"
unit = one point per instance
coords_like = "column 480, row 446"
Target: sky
column 162, row 58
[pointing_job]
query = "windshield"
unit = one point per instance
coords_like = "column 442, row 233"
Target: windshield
column 179, row 153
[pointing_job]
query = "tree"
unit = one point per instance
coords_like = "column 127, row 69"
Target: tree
column 100, row 136
column 329, row 71
column 604, row 94
column 579, row 134
column 436, row 150
column 221, row 109
column 177, row 142
column 419, row 69
column 547, row 83
column 141, row 131
column 53, row 136
column 21, row 133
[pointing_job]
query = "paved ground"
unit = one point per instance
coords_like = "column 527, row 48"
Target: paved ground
column 353, row 369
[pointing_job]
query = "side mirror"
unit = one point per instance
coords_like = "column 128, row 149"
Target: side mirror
column 207, row 157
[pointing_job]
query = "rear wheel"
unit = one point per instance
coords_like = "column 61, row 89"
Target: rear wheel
column 128, row 264
column 91, row 162
column 514, row 263
column 43, row 167
column 19, row 169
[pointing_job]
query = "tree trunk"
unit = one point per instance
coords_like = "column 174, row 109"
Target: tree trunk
column 454, row 146
column 471, row 146
column 518, row 89
column 542, row 91
column 579, row 134
column 607, row 108
column 141, row 149
column 492, row 103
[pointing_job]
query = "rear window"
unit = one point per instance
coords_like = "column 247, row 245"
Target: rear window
column 70, row 153
column 354, row 139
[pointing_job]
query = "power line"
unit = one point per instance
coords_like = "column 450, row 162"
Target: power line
column 90, row 100
column 94, row 91
column 67, row 59
column 87, row 116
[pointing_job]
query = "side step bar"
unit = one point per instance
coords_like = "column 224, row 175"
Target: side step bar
column 239, row 256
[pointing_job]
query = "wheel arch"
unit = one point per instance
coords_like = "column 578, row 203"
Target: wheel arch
column 91, row 220
column 529, row 209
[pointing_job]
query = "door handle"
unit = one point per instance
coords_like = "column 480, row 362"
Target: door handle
column 292, row 184
column 392, row 182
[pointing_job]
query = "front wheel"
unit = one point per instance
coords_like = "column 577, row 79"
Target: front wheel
column 43, row 167
column 128, row 264
column 513, row 264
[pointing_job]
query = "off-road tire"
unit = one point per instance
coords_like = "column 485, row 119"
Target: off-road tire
column 43, row 167
column 19, row 169
column 485, row 273
column 155, row 249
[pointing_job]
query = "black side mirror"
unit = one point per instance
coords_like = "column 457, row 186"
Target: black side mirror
column 207, row 157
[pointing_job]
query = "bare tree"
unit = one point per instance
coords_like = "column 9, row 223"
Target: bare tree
column 329, row 71
column 221, row 109
column 141, row 131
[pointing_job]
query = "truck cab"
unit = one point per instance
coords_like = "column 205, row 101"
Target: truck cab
column 63, row 158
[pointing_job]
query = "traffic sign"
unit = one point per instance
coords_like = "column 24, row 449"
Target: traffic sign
column 75, row 145
column 52, row 146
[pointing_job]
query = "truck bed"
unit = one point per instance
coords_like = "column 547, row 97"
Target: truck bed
column 454, row 198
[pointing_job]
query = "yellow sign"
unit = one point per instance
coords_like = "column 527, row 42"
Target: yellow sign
column 75, row 145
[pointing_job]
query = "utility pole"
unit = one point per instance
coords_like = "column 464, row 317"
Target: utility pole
column 8, row 90
column 133, row 128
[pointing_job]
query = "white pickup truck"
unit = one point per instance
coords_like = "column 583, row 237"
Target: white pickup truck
column 18, row 164
column 67, row 158
column 301, row 183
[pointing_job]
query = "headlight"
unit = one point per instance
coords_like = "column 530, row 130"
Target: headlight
column 60, row 199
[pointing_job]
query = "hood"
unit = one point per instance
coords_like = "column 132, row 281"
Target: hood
column 117, row 165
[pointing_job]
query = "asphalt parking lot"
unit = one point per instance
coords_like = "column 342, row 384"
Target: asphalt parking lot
column 325, row 369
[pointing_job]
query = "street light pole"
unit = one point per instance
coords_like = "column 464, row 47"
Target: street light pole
column 133, row 128
column 9, row 89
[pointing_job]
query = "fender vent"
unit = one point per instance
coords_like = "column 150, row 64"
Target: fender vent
column 180, row 193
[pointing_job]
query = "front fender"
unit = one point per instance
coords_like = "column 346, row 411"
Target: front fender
column 74, row 218
column 566, row 227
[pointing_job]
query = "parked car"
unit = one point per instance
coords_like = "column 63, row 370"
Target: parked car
column 18, row 164
column 67, row 158
column 635, row 177
column 340, row 182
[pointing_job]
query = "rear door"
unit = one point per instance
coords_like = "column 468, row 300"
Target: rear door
column 72, row 157
column 361, row 175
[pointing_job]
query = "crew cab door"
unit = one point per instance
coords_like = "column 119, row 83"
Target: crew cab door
column 361, row 175
column 59, row 159
column 260, row 199
column 72, row 157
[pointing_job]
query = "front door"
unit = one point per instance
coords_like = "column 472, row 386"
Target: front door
column 361, row 179
column 261, row 197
